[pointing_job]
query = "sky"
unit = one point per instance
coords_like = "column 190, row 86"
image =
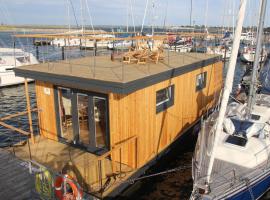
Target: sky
column 120, row 12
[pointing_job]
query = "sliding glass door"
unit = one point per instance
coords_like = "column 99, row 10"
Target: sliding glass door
column 100, row 121
column 65, row 110
column 83, row 119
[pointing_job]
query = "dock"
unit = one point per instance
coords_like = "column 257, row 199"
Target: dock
column 16, row 182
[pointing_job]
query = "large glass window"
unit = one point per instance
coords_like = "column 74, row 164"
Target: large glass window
column 201, row 81
column 100, row 121
column 83, row 119
column 65, row 110
column 164, row 98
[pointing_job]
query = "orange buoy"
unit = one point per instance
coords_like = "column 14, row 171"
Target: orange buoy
column 67, row 188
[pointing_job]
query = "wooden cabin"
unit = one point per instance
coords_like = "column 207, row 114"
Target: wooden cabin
column 104, row 121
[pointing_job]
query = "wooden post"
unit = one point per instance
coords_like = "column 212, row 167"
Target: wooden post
column 37, row 52
column 29, row 110
column 63, row 53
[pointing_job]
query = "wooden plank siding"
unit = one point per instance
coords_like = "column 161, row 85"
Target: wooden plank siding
column 46, row 110
column 135, row 113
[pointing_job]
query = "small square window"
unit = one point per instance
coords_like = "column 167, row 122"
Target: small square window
column 201, row 81
column 164, row 98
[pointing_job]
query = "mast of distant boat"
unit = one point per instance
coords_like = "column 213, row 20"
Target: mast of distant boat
column 144, row 16
column 191, row 10
column 228, row 85
column 253, row 85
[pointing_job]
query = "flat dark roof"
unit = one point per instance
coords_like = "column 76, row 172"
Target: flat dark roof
column 103, row 75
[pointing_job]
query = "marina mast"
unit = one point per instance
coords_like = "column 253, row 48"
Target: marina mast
column 228, row 85
column 253, row 84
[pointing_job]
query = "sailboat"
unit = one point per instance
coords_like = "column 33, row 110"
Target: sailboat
column 231, row 159
column 247, row 38
column 248, row 54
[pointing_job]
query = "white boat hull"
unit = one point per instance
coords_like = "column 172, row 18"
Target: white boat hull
column 10, row 59
column 249, row 58
column 9, row 79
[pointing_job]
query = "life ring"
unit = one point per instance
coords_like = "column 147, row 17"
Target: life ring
column 61, row 183
column 44, row 183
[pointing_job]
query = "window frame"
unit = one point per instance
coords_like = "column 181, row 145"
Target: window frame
column 75, row 121
column 165, row 104
column 201, row 87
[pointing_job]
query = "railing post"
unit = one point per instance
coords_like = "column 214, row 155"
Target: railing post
column 29, row 110
column 136, row 153
column 120, row 158
column 100, row 176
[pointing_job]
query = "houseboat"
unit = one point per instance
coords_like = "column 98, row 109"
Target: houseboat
column 103, row 120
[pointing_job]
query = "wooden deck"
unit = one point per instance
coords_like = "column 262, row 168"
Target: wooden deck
column 16, row 183
column 86, row 167
column 103, row 69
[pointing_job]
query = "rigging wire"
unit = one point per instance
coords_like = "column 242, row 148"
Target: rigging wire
column 74, row 14
column 166, row 15
column 89, row 15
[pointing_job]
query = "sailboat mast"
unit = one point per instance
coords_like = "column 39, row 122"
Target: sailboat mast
column 253, row 86
column 144, row 16
column 228, row 84
column 128, row 2
column 153, row 16
column 191, row 10
column 82, row 16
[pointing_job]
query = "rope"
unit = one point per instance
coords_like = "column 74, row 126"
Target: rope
column 131, row 181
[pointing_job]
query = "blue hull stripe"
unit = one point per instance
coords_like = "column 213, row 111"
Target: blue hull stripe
column 258, row 189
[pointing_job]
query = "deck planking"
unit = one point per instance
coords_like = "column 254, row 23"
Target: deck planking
column 57, row 156
column 16, row 183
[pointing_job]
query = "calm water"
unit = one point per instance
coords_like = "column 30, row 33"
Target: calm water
column 177, row 185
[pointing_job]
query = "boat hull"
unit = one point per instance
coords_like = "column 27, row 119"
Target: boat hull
column 256, row 189
column 9, row 79
column 249, row 58
column 258, row 186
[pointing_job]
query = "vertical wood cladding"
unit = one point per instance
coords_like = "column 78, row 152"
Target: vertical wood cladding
column 135, row 113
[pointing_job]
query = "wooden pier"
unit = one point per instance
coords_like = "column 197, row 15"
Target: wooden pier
column 16, row 183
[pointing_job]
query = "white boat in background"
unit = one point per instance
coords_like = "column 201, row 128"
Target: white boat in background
column 248, row 38
column 11, row 58
column 224, row 51
column 90, row 44
column 182, row 45
column 248, row 55
column 63, row 42
column 185, row 48
column 124, row 44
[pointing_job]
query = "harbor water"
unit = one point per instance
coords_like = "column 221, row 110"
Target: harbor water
column 174, row 185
